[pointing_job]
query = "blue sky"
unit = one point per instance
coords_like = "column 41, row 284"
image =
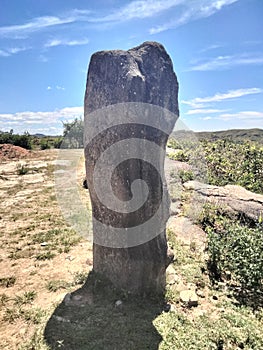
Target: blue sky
column 216, row 47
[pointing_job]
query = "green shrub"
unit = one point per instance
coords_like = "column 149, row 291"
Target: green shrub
column 24, row 140
column 238, row 249
column 180, row 155
column 186, row 175
column 234, row 163
column 172, row 143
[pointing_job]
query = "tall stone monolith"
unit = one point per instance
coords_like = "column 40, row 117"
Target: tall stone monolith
column 131, row 105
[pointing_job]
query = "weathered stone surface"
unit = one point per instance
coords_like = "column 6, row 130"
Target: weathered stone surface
column 231, row 198
column 189, row 298
column 143, row 74
column 187, row 232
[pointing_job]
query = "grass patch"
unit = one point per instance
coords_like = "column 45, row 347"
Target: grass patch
column 7, row 281
column 55, row 285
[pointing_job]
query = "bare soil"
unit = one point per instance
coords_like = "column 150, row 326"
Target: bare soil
column 37, row 246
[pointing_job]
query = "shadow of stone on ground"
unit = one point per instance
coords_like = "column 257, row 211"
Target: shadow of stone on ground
column 98, row 317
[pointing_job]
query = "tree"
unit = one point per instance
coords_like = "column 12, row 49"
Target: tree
column 73, row 134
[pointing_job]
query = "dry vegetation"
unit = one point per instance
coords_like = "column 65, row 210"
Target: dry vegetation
column 42, row 259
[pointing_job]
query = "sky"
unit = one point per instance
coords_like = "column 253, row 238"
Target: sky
column 45, row 46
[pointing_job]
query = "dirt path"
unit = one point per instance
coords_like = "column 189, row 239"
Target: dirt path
column 41, row 258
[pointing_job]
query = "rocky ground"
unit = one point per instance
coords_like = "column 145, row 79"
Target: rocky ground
column 42, row 260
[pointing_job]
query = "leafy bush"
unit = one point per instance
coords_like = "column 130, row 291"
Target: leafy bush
column 44, row 144
column 172, row 143
column 234, row 248
column 239, row 250
column 16, row 140
column 186, row 175
column 181, row 156
column 234, row 163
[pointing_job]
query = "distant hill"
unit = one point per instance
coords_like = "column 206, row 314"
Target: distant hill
column 39, row 135
column 233, row 134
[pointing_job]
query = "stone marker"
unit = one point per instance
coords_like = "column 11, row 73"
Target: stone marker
column 140, row 80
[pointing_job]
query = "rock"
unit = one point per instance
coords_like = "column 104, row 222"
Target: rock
column 189, row 298
column 167, row 307
column 124, row 91
column 173, row 308
column 231, row 198
column 69, row 257
column 175, row 208
column 171, row 276
column 141, row 74
column 200, row 293
column 44, row 244
column 187, row 232
column 85, row 184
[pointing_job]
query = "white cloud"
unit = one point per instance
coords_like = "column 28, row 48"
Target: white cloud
column 211, row 47
column 36, row 24
column 4, row 53
column 139, row 9
column 206, row 118
column 185, row 11
column 226, row 62
column 218, row 97
column 40, row 121
column 244, row 115
column 192, row 10
column 66, row 42
column 57, row 87
column 12, row 51
column 203, row 111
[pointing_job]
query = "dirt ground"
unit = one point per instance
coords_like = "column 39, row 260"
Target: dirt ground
column 40, row 255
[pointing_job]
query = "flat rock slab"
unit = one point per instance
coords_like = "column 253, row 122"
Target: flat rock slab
column 232, row 198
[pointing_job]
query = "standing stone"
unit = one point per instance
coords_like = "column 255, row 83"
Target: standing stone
column 143, row 75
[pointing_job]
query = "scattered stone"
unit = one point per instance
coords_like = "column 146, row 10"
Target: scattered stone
column 173, row 308
column 189, row 298
column 85, row 184
column 70, row 258
column 175, row 208
column 170, row 257
column 171, row 276
column 200, row 293
column 221, row 286
column 167, row 307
